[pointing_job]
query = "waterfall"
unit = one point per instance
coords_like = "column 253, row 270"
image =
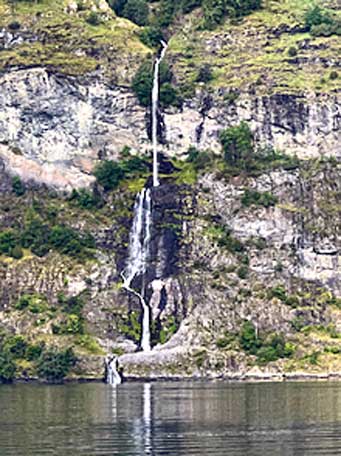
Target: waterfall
column 139, row 247
column 113, row 377
column 155, row 105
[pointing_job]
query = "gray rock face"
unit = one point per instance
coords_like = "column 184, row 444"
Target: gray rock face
column 55, row 126
column 305, row 126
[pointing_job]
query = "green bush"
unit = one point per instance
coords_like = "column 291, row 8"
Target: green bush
column 69, row 242
column 237, row 143
column 248, row 339
column 17, row 252
column 54, row 366
column 204, row 74
column 278, row 292
column 34, row 302
column 109, row 174
column 137, row 11
column 34, row 351
column 252, row 197
column 72, row 324
column 8, row 241
column 142, row 85
column 17, row 186
column 93, row 18
column 199, row 159
column 269, row 349
column 292, row 51
column 317, row 16
column 86, row 199
column 243, row 272
column 15, row 346
column 7, row 367
column 151, row 36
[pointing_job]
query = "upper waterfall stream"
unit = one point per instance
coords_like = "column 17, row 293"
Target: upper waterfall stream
column 155, row 106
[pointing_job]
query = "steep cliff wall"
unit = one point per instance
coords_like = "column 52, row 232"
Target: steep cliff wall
column 244, row 276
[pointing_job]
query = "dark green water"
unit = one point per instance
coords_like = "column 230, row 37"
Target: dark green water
column 185, row 419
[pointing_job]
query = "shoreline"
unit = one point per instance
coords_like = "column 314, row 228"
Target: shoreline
column 237, row 378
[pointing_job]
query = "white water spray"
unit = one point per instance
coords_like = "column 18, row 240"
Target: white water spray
column 113, row 377
column 155, row 105
column 139, row 246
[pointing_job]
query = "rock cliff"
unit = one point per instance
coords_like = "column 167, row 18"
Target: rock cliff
column 244, row 276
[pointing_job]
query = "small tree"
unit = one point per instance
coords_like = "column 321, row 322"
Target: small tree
column 137, row 11
column 237, row 145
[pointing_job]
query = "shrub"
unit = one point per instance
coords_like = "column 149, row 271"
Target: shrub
column 142, row 84
column 316, row 16
column 85, row 199
column 53, row 365
column 243, row 272
column 199, row 159
column 33, row 352
column 7, row 367
column 169, row 95
column 278, row 292
column 8, row 241
column 237, row 143
column 93, row 18
column 247, row 338
column 292, row 51
column 204, row 74
column 109, row 174
column 17, row 186
column 15, row 346
column 333, row 75
column 35, row 303
column 137, row 11
column 73, row 324
column 151, row 36
column 16, row 252
column 252, row 197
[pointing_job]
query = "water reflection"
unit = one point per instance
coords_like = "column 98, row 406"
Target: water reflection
column 176, row 419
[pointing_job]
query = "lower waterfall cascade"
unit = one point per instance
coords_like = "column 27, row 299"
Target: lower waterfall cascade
column 113, row 376
column 139, row 252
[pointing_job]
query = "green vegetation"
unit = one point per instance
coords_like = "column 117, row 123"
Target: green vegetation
column 222, row 235
column 7, row 368
column 35, row 303
column 267, row 348
column 241, row 156
column 110, row 174
column 320, row 22
column 142, row 85
column 167, row 329
column 51, row 364
column 65, row 42
column 54, row 365
column 254, row 198
column 41, row 237
column 17, row 186
column 264, row 65
column 131, row 327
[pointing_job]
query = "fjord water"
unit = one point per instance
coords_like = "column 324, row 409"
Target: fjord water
column 175, row 419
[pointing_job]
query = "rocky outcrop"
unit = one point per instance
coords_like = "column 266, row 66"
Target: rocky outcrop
column 306, row 126
column 55, row 128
